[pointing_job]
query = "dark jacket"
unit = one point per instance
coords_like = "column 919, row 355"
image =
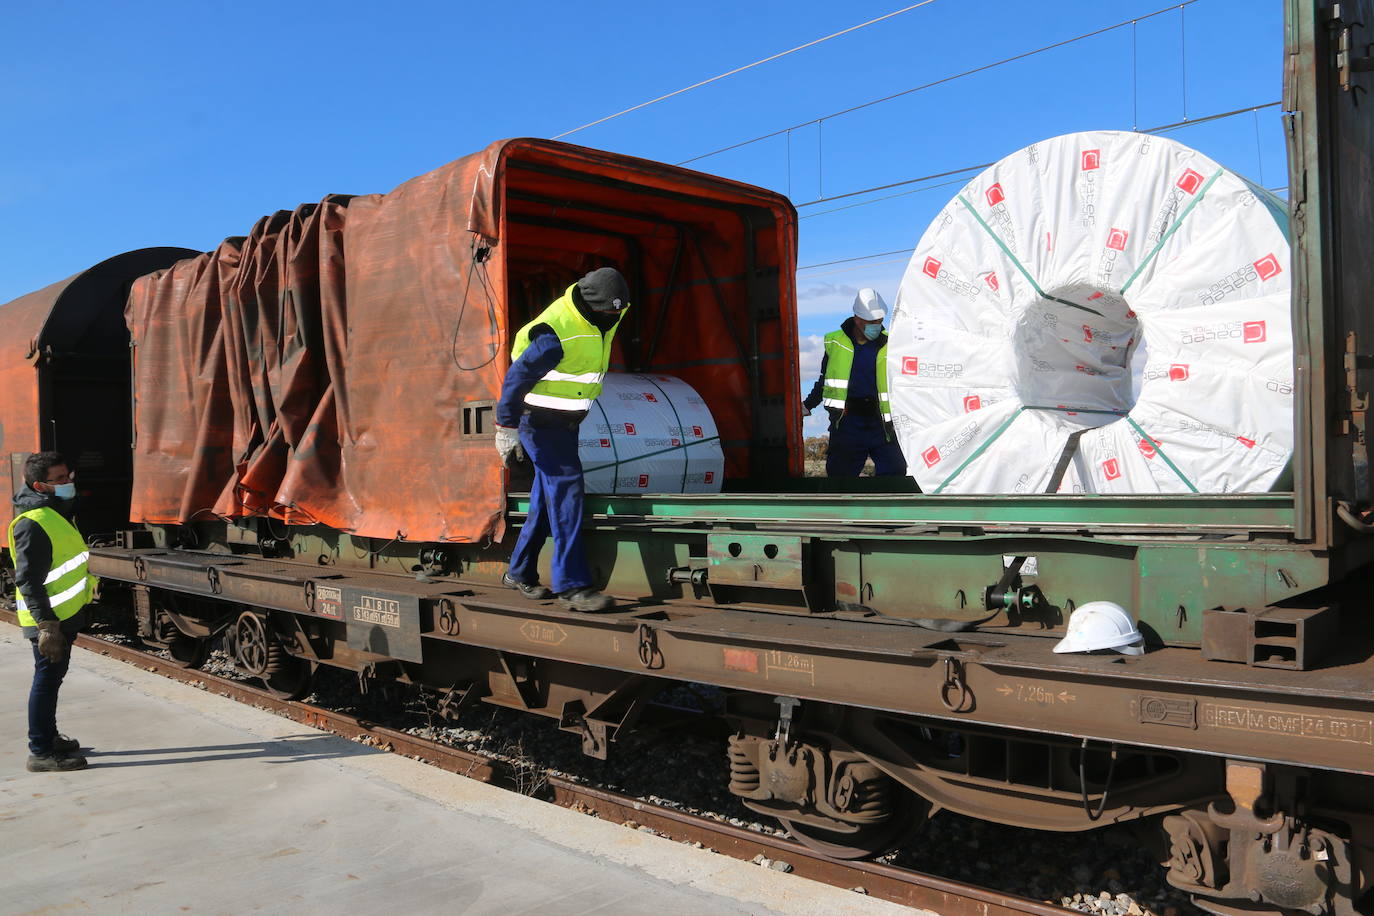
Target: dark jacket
column 33, row 558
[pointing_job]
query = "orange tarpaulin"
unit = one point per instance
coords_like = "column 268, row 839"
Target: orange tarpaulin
column 338, row 365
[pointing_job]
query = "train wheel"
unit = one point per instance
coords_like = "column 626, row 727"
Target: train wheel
column 293, row 681
column 189, row 652
column 864, row 842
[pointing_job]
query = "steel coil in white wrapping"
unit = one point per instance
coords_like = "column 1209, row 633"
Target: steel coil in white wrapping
column 650, row 434
column 1114, row 283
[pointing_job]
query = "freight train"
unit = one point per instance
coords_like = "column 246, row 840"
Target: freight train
column 312, row 482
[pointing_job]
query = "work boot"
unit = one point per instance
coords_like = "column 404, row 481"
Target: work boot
column 55, row 763
column 65, row 745
column 585, row 599
column 535, row 592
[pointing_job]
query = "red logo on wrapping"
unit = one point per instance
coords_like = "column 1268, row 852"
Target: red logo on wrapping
column 995, row 195
column 1178, row 372
column 1189, row 182
column 629, row 429
column 1146, row 447
column 1116, row 239
column 1067, row 413
column 1268, row 266
column 932, row 268
column 1255, row 332
column 931, row 456
column 910, row 365
column 972, row 402
column 1087, row 334
column 696, row 431
column 605, row 443
column 650, row 398
column 710, row 477
column 1092, row 158
column 1096, row 295
column 991, row 281
column 676, row 441
column 1111, row 468
column 643, row 480
column 1248, row 443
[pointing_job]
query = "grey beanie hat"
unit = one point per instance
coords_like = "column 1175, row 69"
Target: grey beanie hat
column 604, row 290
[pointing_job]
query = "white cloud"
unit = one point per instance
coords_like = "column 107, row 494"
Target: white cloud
column 811, row 348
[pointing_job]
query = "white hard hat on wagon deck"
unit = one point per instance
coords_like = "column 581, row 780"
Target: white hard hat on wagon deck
column 1101, row 625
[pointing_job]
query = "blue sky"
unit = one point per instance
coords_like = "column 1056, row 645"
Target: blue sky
column 152, row 123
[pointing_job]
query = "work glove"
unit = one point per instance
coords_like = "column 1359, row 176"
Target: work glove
column 508, row 445
column 52, row 644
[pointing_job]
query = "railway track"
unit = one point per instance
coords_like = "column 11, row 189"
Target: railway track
column 941, row 895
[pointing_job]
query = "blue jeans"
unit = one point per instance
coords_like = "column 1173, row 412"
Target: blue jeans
column 555, row 509
column 47, row 679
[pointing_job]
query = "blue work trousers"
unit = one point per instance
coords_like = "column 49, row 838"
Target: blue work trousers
column 47, row 679
column 555, row 508
column 857, row 438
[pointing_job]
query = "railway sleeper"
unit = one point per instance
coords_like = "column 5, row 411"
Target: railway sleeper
column 1242, row 837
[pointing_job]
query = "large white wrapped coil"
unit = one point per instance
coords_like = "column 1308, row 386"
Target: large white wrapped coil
column 650, row 434
column 1118, row 284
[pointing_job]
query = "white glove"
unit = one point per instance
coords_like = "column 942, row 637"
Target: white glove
column 508, row 445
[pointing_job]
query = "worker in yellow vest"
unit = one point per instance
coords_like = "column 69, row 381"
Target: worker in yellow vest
column 853, row 388
column 52, row 588
column 557, row 363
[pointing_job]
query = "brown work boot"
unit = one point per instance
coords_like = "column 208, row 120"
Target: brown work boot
column 585, row 599
column 55, row 763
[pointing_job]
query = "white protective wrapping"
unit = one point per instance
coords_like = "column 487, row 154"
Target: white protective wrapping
column 650, row 434
column 1112, row 282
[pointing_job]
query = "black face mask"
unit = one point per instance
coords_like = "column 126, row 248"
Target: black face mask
column 603, row 321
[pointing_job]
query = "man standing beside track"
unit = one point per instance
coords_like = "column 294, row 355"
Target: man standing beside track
column 853, row 388
column 557, row 363
column 52, row 589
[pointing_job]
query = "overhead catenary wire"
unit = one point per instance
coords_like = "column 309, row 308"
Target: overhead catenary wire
column 947, row 79
column 1154, row 130
column 1163, row 128
column 781, row 54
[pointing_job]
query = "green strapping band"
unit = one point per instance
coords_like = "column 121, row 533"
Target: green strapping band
column 663, row 451
column 676, row 419
column 1019, row 266
column 979, row 450
column 614, row 451
column 1165, row 237
column 1157, row 447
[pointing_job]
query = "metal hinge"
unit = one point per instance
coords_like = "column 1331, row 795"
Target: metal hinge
column 1348, row 62
column 1356, row 401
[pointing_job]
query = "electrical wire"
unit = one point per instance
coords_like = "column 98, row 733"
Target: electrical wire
column 781, row 54
column 939, row 82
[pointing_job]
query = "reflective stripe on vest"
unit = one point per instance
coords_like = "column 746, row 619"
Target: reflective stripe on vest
column 576, row 381
column 68, row 583
column 839, row 363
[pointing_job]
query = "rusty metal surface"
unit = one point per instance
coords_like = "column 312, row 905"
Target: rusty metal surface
column 949, row 898
column 1167, row 698
column 332, row 366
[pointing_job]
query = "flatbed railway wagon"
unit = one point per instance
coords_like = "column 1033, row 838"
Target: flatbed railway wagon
column 312, row 481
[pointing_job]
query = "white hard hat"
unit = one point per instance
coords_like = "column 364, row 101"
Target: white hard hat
column 1101, row 625
column 868, row 305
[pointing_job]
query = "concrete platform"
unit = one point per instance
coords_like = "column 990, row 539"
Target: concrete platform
column 196, row 804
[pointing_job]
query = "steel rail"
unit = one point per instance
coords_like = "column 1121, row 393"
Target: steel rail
column 885, row 882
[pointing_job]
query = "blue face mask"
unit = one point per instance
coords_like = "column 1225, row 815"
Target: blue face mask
column 871, row 331
column 64, row 490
